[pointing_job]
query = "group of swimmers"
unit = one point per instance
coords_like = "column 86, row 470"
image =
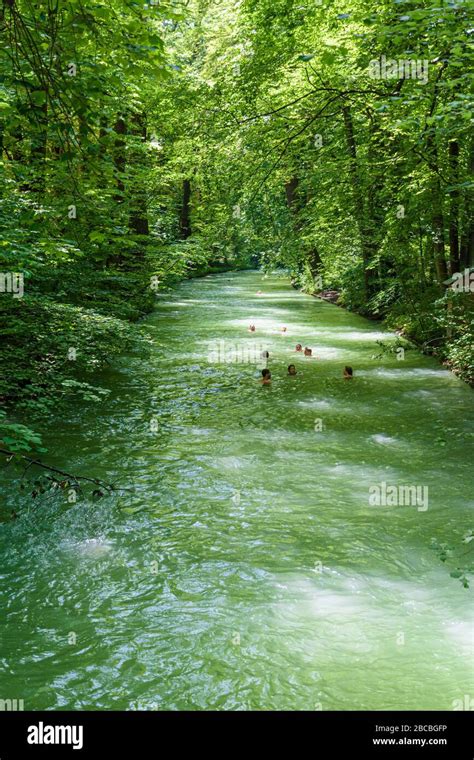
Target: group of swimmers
column 347, row 372
column 307, row 351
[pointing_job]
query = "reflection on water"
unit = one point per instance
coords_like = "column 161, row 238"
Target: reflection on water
column 246, row 569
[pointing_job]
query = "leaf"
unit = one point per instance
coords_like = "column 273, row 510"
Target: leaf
column 97, row 236
column 38, row 97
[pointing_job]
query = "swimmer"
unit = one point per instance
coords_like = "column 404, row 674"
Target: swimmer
column 291, row 369
column 283, row 329
column 266, row 377
column 299, row 347
column 251, row 328
column 308, row 351
column 347, row 373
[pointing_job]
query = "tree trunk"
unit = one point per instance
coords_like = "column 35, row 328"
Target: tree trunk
column 466, row 257
column 119, row 158
column 454, row 209
column 367, row 244
column 38, row 118
column 438, row 240
column 290, row 192
column 311, row 258
column 138, row 198
column 185, row 214
column 437, row 215
column 466, row 252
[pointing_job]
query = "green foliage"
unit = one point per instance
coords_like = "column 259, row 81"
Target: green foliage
column 18, row 438
column 455, row 315
column 144, row 143
column 459, row 558
column 393, row 347
column 47, row 343
column 93, row 153
column 362, row 181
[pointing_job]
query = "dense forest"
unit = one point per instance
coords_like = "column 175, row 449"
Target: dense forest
column 236, row 365
column 143, row 143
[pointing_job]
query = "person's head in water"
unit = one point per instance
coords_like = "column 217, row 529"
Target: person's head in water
column 251, row 328
column 308, row 351
column 299, row 347
column 266, row 377
column 291, row 369
column 348, row 372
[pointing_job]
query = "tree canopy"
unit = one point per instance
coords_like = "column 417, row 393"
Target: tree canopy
column 141, row 143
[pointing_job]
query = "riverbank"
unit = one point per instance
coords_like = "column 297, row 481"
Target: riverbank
column 64, row 330
column 449, row 338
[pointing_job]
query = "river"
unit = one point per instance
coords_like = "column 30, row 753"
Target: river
column 248, row 568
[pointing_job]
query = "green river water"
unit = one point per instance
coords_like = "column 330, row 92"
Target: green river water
column 247, row 569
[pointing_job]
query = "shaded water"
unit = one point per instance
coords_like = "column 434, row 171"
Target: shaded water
column 247, row 570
